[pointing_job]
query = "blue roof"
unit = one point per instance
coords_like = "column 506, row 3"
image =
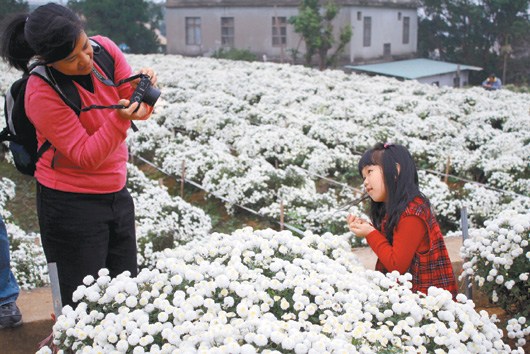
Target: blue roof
column 413, row 68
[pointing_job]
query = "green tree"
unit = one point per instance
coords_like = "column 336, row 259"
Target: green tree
column 12, row 6
column 486, row 33
column 316, row 29
column 131, row 22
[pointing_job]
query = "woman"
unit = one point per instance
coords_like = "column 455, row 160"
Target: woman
column 86, row 214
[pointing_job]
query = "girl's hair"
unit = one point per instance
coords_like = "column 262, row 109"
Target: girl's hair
column 401, row 186
column 50, row 33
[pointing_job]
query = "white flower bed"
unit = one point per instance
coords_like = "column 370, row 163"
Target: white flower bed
column 271, row 292
column 7, row 192
column 291, row 115
column 27, row 261
column 498, row 260
column 162, row 221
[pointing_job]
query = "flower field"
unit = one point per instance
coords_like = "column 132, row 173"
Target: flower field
column 265, row 136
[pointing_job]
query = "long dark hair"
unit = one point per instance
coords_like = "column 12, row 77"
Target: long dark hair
column 401, row 186
column 49, row 33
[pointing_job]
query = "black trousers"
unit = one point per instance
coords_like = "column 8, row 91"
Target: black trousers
column 83, row 233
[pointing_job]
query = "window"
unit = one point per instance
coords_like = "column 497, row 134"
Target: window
column 367, row 32
column 359, row 15
column 193, row 31
column 227, row 31
column 406, row 30
column 456, row 81
column 386, row 49
column 399, row 16
column 279, row 31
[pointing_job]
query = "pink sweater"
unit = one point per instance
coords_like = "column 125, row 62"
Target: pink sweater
column 91, row 153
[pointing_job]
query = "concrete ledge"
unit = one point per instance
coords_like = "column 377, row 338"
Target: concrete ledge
column 36, row 307
column 368, row 257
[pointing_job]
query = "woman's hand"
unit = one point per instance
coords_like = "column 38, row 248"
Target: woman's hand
column 129, row 111
column 146, row 71
column 359, row 226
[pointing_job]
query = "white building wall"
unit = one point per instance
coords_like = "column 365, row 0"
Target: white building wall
column 252, row 27
column 253, row 31
column 387, row 27
column 446, row 79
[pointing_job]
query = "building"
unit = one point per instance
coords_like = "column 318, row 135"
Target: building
column 422, row 70
column 382, row 29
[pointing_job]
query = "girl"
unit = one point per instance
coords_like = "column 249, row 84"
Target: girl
column 403, row 232
column 86, row 214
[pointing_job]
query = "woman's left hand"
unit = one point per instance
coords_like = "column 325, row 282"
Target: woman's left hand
column 359, row 226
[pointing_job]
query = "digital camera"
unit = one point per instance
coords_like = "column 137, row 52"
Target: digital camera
column 145, row 92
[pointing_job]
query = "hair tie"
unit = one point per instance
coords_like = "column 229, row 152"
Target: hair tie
column 387, row 145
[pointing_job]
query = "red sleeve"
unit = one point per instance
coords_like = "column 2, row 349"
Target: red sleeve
column 410, row 236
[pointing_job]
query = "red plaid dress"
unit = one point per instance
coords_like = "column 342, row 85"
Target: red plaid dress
column 431, row 268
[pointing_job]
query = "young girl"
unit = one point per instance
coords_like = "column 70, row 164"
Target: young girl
column 403, row 232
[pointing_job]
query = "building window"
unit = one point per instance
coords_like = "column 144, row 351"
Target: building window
column 367, row 32
column 456, row 81
column 386, row 49
column 227, row 31
column 399, row 16
column 406, row 30
column 279, row 31
column 193, row 31
column 359, row 15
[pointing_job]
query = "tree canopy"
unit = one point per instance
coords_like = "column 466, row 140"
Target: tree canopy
column 492, row 34
column 12, row 6
column 316, row 30
column 127, row 22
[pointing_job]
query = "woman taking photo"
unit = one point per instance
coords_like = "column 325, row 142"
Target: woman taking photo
column 86, row 214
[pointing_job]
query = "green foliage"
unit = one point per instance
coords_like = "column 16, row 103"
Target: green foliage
column 124, row 21
column 519, row 89
column 234, row 54
column 316, row 29
column 486, row 33
column 12, row 6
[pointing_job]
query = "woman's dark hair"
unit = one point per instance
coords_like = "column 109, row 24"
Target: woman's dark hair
column 401, row 187
column 50, row 33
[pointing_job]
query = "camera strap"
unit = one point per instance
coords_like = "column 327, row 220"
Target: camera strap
column 108, row 82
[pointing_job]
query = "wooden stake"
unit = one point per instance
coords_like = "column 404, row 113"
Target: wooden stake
column 182, row 178
column 447, row 168
column 281, row 215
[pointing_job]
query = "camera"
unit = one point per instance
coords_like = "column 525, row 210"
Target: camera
column 145, row 92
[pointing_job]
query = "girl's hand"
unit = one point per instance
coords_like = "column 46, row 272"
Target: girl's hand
column 145, row 71
column 129, row 113
column 359, row 226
